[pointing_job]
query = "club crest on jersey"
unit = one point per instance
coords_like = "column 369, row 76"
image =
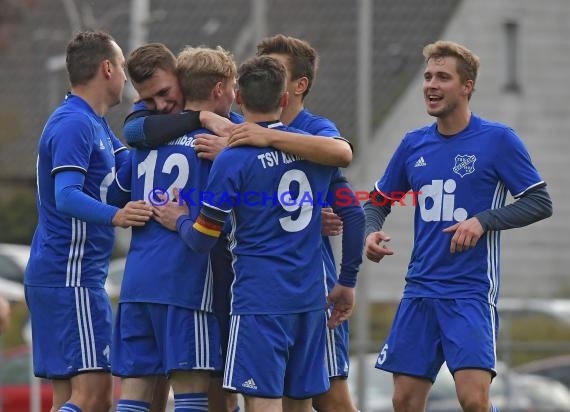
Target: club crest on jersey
column 464, row 164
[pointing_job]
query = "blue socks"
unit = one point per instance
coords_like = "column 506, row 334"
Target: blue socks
column 494, row 408
column 125, row 405
column 184, row 402
column 69, row 407
column 191, row 402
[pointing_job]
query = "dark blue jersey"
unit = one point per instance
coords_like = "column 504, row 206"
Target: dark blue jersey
column 274, row 199
column 313, row 124
column 160, row 267
column 66, row 251
column 455, row 178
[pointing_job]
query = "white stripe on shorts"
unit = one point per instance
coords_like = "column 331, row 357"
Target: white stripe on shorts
column 202, row 341
column 332, row 367
column 85, row 327
column 231, row 355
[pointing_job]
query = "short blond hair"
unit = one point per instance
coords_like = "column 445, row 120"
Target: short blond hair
column 467, row 61
column 199, row 69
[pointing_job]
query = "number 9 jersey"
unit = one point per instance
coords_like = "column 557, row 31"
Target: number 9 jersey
column 274, row 200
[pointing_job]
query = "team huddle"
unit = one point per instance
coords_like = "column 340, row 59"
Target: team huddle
column 223, row 296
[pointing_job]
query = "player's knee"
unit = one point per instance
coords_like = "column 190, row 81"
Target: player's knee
column 96, row 404
column 333, row 402
column 96, row 400
column 474, row 401
column 405, row 402
column 474, row 397
column 338, row 407
column 231, row 401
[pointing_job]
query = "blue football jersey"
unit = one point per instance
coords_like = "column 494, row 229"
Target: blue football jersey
column 275, row 201
column 236, row 118
column 313, row 124
column 454, row 178
column 160, row 267
column 68, row 252
column 320, row 126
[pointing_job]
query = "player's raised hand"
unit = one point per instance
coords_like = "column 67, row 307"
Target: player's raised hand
column 466, row 234
column 331, row 223
column 250, row 134
column 134, row 213
column 168, row 213
column 208, row 146
column 341, row 302
column 372, row 248
column 216, row 123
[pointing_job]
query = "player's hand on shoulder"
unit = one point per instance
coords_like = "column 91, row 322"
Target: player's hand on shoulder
column 373, row 249
column 134, row 213
column 208, row 146
column 466, row 234
column 216, row 123
column 331, row 223
column 167, row 213
column 341, row 302
column 250, row 134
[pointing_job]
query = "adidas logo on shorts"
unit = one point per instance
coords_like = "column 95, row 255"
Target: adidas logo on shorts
column 250, row 383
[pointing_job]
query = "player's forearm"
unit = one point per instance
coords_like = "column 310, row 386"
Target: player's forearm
column 151, row 131
column 529, row 208
column 352, row 216
column 375, row 210
column 318, row 149
column 71, row 200
column 201, row 235
column 75, row 203
column 197, row 241
column 352, row 245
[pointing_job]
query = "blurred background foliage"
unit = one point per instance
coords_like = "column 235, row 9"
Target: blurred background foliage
column 18, row 213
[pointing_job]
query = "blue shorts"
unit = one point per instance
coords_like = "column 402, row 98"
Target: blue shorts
column 155, row 339
column 71, row 330
column 337, row 361
column 428, row 331
column 272, row 356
